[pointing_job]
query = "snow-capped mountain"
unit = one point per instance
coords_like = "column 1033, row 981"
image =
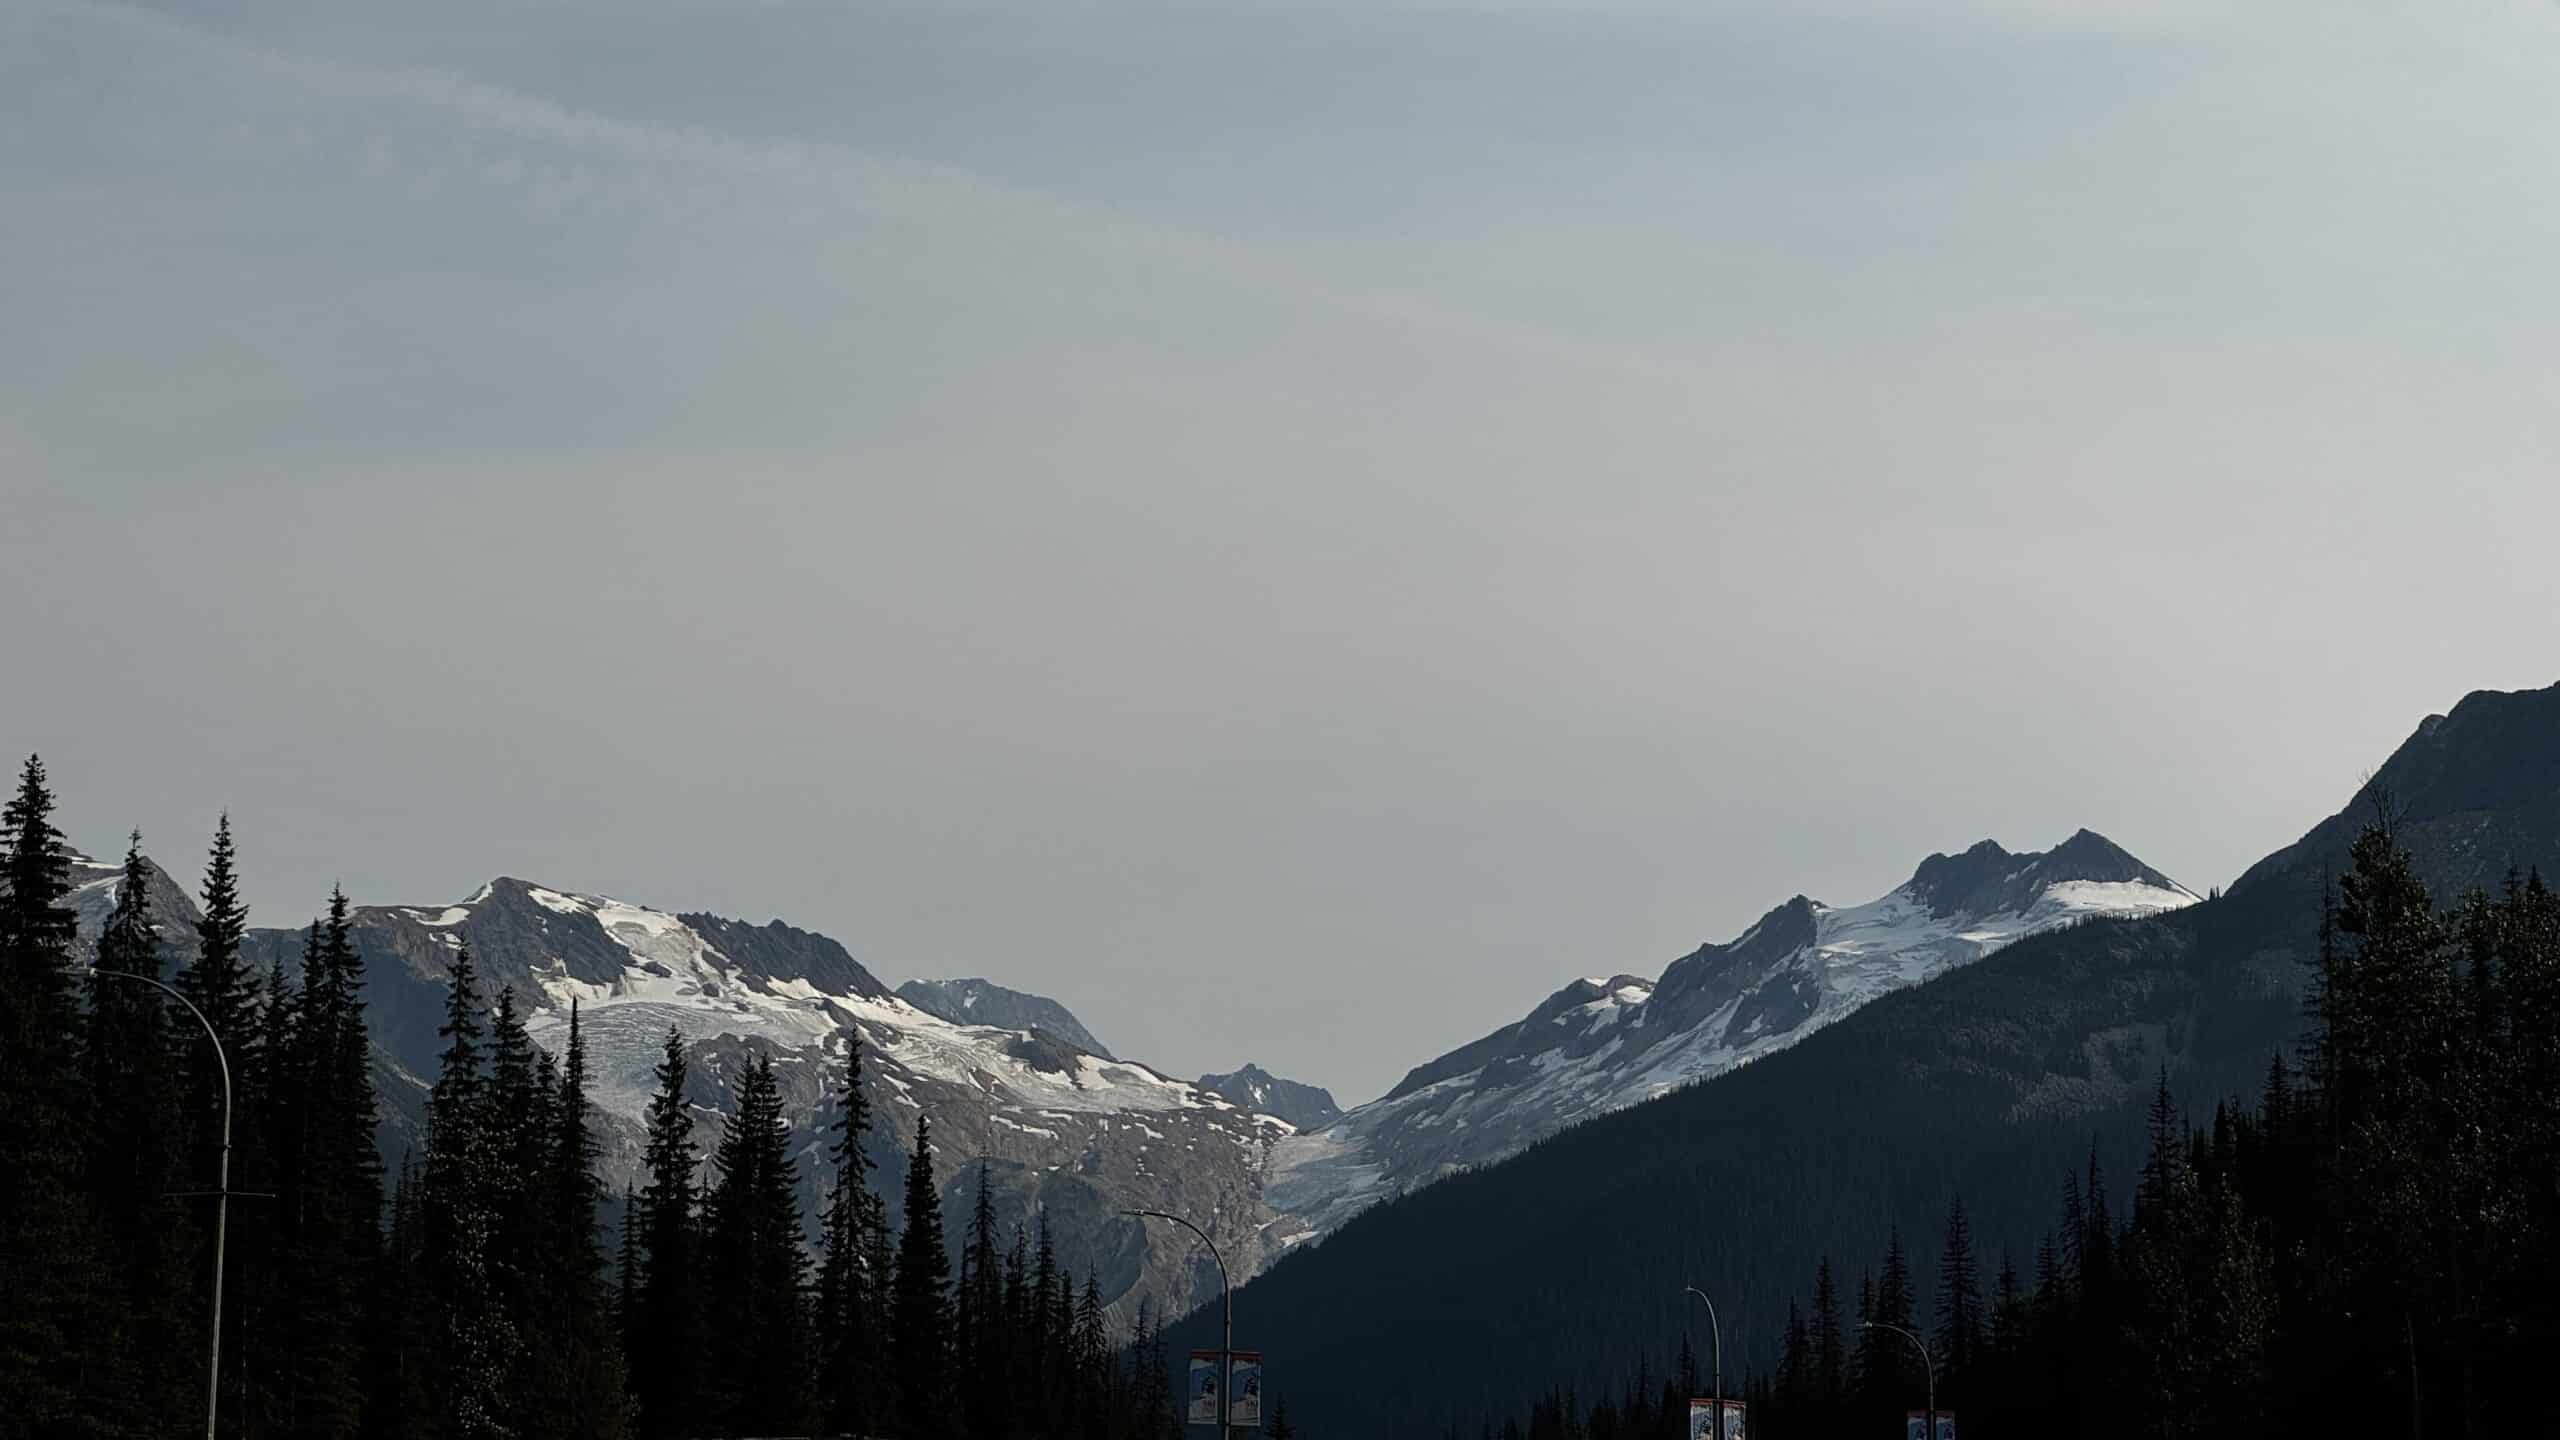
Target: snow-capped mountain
column 1058, row 1126
column 1603, row 1042
column 984, row 1002
column 1306, row 1106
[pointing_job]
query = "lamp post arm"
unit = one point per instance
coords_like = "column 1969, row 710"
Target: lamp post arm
column 1928, row 1367
column 221, row 1060
column 221, row 1197
column 1715, row 1328
column 1227, row 1314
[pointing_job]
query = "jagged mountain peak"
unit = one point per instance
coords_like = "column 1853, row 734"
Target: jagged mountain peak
column 1597, row 1044
column 1306, row 1106
column 1989, row 879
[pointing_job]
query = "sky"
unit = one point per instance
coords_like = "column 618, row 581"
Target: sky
column 1294, row 528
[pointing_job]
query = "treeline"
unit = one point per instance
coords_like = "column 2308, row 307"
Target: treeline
column 111, row 1113
column 2371, row 1244
column 477, row 1299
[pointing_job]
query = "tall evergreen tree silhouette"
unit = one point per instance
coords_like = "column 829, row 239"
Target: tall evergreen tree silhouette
column 1956, row 1342
column 920, row 1335
column 1830, row 1353
column 219, row 980
column 756, row 1267
column 589, row 1367
column 983, row 1337
column 332, row 1218
column 48, row 1256
column 529, row 1246
column 474, row 1339
column 147, row 1376
column 665, row 1358
column 851, row 1306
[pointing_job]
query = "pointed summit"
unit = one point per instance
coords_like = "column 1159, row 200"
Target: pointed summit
column 1309, row 1107
column 1988, row 880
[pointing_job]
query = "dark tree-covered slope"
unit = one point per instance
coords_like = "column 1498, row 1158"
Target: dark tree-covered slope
column 1470, row 1297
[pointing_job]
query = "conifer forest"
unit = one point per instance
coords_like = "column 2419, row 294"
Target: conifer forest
column 2372, row 1233
column 473, row 1291
column 2369, row 1244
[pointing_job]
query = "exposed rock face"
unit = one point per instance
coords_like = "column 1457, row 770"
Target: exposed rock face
column 984, row 1002
column 1602, row 1043
column 1308, row 1107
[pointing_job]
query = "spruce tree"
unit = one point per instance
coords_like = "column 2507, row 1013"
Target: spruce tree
column 147, row 1377
column 626, row 1272
column 590, row 1364
column 979, row 1321
column 266, row 1159
column 1092, row 1360
column 474, row 1338
column 850, row 1319
column 920, row 1334
column 1021, row 1376
column 1150, row 1388
column 1045, row 1338
column 221, row 984
column 48, row 1256
column 529, row 1248
column 752, row 1240
column 665, row 1359
column 335, row 1234
column 1830, row 1354
column 1958, row 1336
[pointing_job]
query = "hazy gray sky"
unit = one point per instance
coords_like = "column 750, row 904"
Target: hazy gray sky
column 1293, row 528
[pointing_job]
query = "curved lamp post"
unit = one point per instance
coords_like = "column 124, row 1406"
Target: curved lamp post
column 221, row 1197
column 1716, row 1329
column 1227, row 1305
column 1928, row 1367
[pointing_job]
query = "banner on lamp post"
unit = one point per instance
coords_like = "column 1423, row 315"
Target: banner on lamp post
column 1245, row 1388
column 1915, row 1425
column 1702, row 1420
column 1200, row 1403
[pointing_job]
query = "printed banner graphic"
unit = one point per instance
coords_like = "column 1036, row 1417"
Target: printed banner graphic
column 1702, row 1420
column 1201, row 1405
column 1915, row 1425
column 1247, row 1389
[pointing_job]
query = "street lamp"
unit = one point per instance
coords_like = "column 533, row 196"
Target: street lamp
column 221, row 1198
column 1928, row 1367
column 1716, row 1329
column 1227, row 1304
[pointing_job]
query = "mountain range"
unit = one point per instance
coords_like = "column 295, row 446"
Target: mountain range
column 1057, row 1126
column 1829, row 1072
column 1463, row 1300
column 1014, row 1081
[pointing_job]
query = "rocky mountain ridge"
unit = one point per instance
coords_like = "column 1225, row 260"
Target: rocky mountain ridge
column 1602, row 1043
column 984, row 1002
column 1305, row 1106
